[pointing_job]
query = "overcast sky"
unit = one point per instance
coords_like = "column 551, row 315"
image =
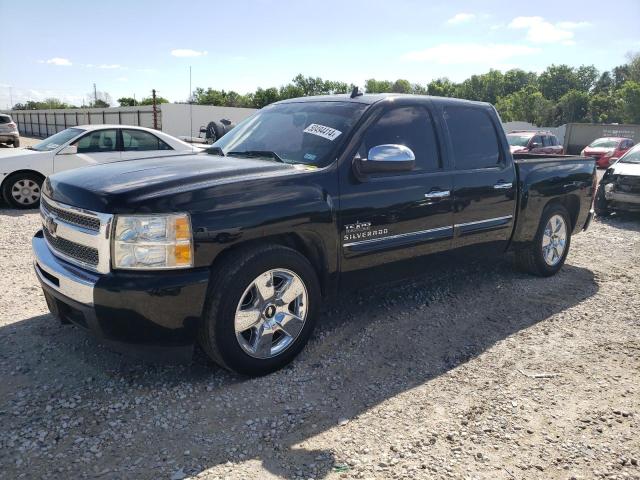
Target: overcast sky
column 60, row 48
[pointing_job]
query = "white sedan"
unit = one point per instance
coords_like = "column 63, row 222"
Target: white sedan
column 23, row 171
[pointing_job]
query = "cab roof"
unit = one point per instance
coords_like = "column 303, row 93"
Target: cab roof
column 371, row 98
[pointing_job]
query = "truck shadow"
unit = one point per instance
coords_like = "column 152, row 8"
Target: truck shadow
column 370, row 346
column 622, row 220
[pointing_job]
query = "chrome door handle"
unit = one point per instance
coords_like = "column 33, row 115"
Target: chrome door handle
column 503, row 186
column 438, row 194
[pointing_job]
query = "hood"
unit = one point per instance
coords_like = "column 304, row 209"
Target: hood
column 17, row 152
column 21, row 159
column 628, row 169
column 156, row 184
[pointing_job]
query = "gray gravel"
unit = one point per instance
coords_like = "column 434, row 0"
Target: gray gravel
column 473, row 372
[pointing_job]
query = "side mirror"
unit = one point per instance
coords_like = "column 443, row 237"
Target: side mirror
column 387, row 158
column 69, row 150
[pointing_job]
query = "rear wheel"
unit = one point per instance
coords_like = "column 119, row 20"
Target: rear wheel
column 16, row 143
column 22, row 190
column 548, row 251
column 261, row 309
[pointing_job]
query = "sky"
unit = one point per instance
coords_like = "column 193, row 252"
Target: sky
column 61, row 48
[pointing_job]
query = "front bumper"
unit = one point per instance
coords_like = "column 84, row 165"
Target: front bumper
column 8, row 137
column 144, row 308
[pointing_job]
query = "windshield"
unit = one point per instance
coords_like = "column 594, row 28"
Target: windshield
column 632, row 156
column 518, row 140
column 303, row 132
column 60, row 138
column 605, row 143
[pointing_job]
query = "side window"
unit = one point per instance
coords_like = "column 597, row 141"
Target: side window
column 474, row 137
column 408, row 126
column 140, row 141
column 546, row 141
column 97, row 142
column 554, row 140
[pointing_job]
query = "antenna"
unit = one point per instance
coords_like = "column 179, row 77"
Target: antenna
column 356, row 92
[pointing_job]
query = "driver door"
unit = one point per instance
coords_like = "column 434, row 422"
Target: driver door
column 97, row 146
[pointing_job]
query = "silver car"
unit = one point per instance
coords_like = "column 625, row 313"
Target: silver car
column 9, row 131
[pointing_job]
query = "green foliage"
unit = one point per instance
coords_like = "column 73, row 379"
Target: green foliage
column 149, row 101
column 46, row 104
column 630, row 100
column 127, row 102
column 573, row 106
column 441, row 87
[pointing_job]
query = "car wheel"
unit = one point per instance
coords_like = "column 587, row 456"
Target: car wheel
column 261, row 308
column 16, row 143
column 546, row 255
column 22, row 190
column 600, row 204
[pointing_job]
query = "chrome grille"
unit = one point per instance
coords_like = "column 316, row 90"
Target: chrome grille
column 76, row 235
column 73, row 250
column 73, row 218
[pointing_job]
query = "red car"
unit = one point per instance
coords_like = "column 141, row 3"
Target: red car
column 607, row 150
column 534, row 142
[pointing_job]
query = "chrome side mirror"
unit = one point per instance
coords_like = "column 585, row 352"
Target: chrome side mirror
column 387, row 158
column 69, row 150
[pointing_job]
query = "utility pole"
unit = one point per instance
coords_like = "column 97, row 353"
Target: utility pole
column 11, row 97
column 95, row 95
column 155, row 110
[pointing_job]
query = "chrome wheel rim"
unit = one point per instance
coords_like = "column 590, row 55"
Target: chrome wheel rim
column 25, row 192
column 554, row 240
column 271, row 313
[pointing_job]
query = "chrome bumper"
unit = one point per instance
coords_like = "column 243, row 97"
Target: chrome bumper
column 60, row 276
column 622, row 197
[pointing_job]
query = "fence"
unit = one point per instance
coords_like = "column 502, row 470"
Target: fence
column 43, row 123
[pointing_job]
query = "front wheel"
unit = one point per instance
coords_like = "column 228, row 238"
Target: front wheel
column 261, row 309
column 600, row 204
column 546, row 254
column 22, row 190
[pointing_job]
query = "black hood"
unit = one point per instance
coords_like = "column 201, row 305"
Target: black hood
column 155, row 184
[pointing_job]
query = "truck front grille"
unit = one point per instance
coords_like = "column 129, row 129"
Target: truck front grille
column 73, row 218
column 74, row 251
column 628, row 184
column 77, row 235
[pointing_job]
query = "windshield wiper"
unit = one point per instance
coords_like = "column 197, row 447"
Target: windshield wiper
column 257, row 154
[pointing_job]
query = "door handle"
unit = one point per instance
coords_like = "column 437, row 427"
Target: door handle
column 503, row 185
column 438, row 194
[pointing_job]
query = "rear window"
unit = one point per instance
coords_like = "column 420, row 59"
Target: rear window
column 474, row 138
column 5, row 119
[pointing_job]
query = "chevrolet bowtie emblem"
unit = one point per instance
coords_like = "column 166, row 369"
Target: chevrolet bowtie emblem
column 51, row 225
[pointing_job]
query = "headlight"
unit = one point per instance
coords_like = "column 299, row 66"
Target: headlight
column 148, row 242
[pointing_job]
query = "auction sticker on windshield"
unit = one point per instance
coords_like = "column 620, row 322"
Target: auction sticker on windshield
column 322, row 131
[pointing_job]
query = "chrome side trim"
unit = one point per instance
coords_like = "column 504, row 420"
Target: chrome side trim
column 72, row 283
column 503, row 186
column 488, row 220
column 438, row 194
column 395, row 237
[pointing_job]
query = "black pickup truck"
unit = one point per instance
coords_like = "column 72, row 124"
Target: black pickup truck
column 236, row 248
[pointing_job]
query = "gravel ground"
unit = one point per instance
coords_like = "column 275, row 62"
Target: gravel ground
column 472, row 372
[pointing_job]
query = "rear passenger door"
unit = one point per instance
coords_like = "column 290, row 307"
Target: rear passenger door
column 143, row 144
column 393, row 216
column 484, row 181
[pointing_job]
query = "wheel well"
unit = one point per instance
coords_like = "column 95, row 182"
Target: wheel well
column 306, row 245
column 31, row 172
column 572, row 204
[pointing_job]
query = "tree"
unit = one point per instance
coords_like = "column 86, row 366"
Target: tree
column 630, row 97
column 441, row 87
column 375, row 86
column 604, row 84
column 98, row 99
column 262, row 98
column 401, row 86
column 517, row 79
column 586, row 77
column 526, row 105
column 556, row 81
column 634, row 66
column 604, row 108
column 127, row 102
column 149, row 101
column 573, row 106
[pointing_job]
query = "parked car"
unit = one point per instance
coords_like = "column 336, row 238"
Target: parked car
column 534, row 142
column 620, row 185
column 237, row 247
column 9, row 134
column 607, row 150
column 22, row 172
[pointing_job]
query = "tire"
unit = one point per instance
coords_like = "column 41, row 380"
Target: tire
column 233, row 289
column 600, row 204
column 32, row 181
column 16, row 143
column 532, row 259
